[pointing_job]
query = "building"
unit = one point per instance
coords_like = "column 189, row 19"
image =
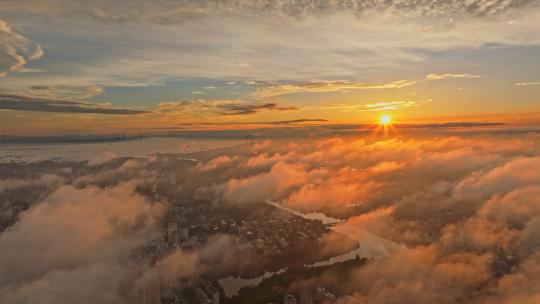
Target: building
column 184, row 234
column 289, row 299
column 148, row 293
column 172, row 230
column 306, row 297
column 322, row 295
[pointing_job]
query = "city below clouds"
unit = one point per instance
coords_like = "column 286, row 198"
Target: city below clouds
column 454, row 213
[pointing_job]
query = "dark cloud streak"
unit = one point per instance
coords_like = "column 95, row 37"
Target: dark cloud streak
column 281, row 122
column 36, row 104
column 244, row 109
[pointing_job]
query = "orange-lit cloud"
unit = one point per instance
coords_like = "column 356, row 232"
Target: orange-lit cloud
column 449, row 75
column 326, row 86
column 15, row 49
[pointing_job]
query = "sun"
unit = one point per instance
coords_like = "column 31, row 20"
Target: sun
column 385, row 120
column 385, row 125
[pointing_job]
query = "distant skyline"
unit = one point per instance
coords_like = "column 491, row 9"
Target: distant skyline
column 140, row 65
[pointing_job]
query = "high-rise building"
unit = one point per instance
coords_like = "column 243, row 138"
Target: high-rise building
column 149, row 293
column 172, row 230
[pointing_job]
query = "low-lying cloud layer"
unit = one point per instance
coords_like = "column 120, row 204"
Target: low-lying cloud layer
column 82, row 242
column 464, row 209
column 457, row 212
column 74, row 246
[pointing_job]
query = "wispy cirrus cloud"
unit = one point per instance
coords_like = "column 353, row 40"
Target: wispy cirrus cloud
column 230, row 39
column 326, row 86
column 523, row 84
column 450, row 76
column 390, row 105
column 15, row 49
column 173, row 11
column 66, row 91
column 37, row 104
column 372, row 106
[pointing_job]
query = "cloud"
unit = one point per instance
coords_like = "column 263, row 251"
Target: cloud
column 386, row 166
column 38, row 104
column 89, row 239
column 102, row 158
column 10, row 60
column 274, row 184
column 15, row 49
column 339, row 174
column 121, row 11
column 177, row 265
column 375, row 221
column 391, row 105
column 47, row 180
column 515, row 173
column 420, row 275
column 37, row 54
column 63, row 91
column 450, row 215
column 359, row 36
column 244, row 109
column 521, row 286
column 515, row 208
column 294, row 121
column 278, row 122
column 463, row 124
column 83, row 238
column 522, row 84
column 450, row 76
column 263, row 159
column 372, row 106
column 334, row 189
column 219, row 250
column 215, row 163
column 517, row 216
column 218, row 107
column 326, row 86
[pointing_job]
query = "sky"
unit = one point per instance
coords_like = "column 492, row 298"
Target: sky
column 70, row 67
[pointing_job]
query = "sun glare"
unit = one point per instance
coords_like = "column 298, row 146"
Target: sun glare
column 385, row 120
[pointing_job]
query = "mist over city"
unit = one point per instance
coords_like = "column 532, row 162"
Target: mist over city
column 295, row 152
